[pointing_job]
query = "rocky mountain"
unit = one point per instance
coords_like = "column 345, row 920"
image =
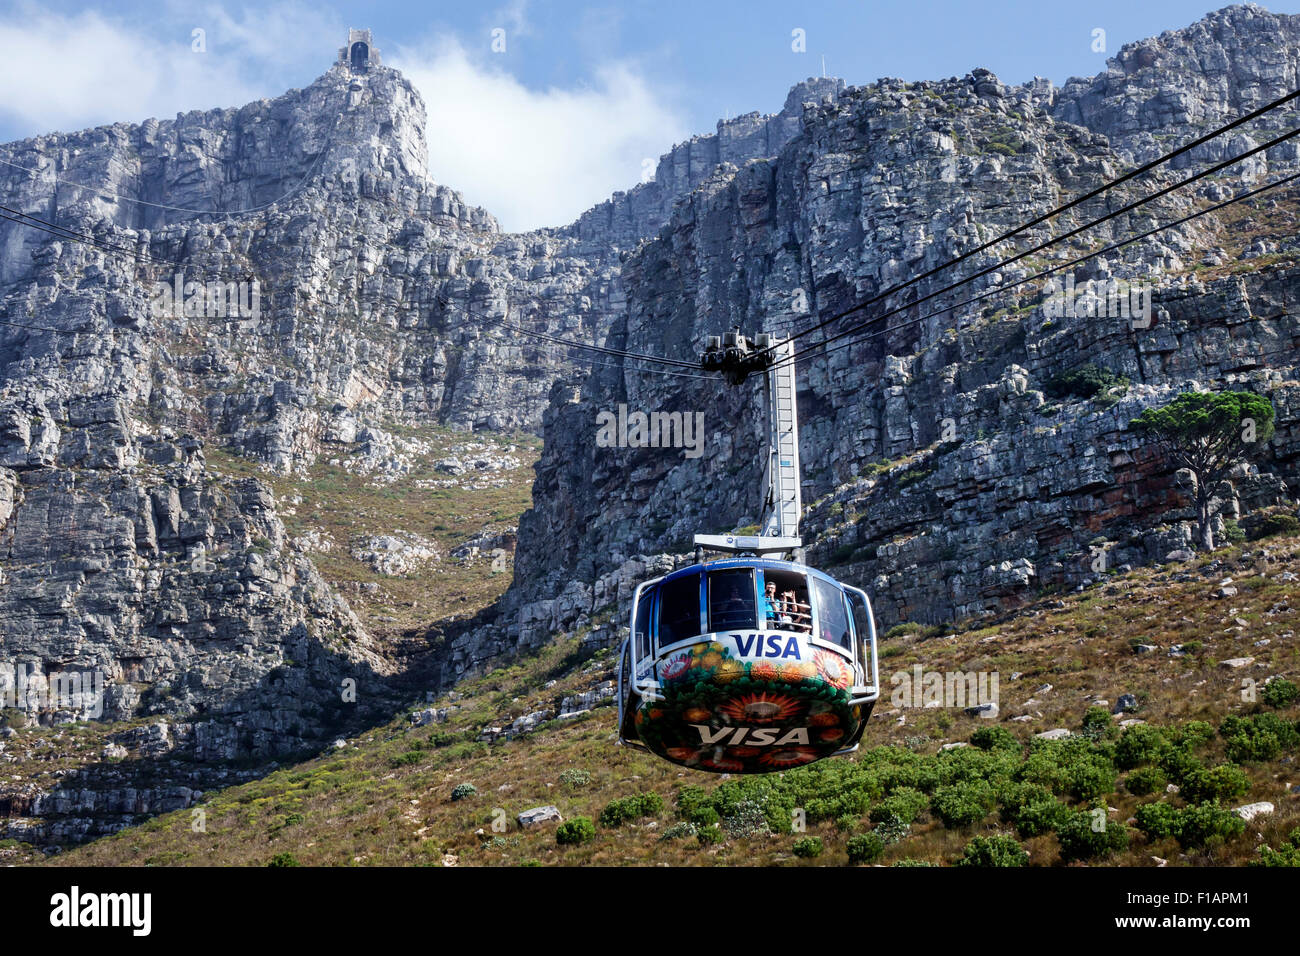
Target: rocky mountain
column 942, row 476
column 142, row 537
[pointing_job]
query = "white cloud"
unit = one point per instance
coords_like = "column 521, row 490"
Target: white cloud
column 67, row 72
column 535, row 157
column 530, row 157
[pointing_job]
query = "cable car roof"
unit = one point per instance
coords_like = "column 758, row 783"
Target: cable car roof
column 771, row 564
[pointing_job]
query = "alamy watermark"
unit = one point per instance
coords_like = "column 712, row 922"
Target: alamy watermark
column 622, row 429
column 1098, row 298
column 957, row 689
column 214, row 300
column 81, row 692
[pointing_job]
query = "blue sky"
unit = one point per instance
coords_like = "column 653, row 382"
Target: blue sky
column 582, row 94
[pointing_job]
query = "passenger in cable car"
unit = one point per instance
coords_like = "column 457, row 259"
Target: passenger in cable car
column 797, row 610
column 774, row 608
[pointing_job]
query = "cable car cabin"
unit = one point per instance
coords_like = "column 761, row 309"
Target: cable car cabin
column 747, row 665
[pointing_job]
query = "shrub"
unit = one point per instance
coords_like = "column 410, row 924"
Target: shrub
column 1138, row 745
column 574, row 777
column 633, row 807
column 1287, row 855
column 994, row 738
column 679, row 831
column 1146, row 780
column 406, row 759
column 689, row 798
column 962, row 804
column 994, row 851
column 1178, row 763
column 1192, row 734
column 846, row 822
column 1079, row 841
column 709, row 836
column 865, row 848
column 1261, row 737
column 905, row 804
column 1096, row 723
column 1088, row 779
column 1276, row 524
column 575, row 832
column 1040, row 815
column 808, row 847
column 1086, row 381
column 1280, row 692
column 1206, row 824
column 703, row 816
column 913, row 863
column 1214, row 783
column 284, row 859
column 745, row 820
column 1157, row 820
column 463, row 790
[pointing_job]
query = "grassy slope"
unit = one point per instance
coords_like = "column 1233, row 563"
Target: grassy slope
column 386, row 798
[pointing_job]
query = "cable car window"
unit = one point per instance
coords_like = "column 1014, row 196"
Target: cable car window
column 783, row 602
column 861, row 627
column 679, row 609
column 641, row 627
column 731, row 599
column 832, row 619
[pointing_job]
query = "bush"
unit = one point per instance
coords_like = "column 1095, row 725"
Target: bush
column 808, row 847
column 994, row 738
column 624, row 809
column 1157, row 820
column 1192, row 734
column 1139, row 744
column 904, row 804
column 913, row 863
column 1097, row 723
column 284, row 859
column 1086, row 381
column 1276, row 524
column 703, row 817
column 1146, row 780
column 689, row 798
column 574, row 778
column 575, row 832
column 1079, row 841
column 1287, row 855
column 679, row 831
column 709, row 836
column 747, row 819
column 865, row 848
column 1040, row 815
column 1214, row 783
column 1207, row 824
column 963, row 804
column 463, row 790
column 1261, row 737
column 1089, row 779
column 1280, row 692
column 994, row 851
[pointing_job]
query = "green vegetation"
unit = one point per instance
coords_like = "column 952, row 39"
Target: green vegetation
column 1085, row 382
column 994, row 851
column 1208, row 433
column 575, row 832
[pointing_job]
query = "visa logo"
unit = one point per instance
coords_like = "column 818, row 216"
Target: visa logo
column 752, row 645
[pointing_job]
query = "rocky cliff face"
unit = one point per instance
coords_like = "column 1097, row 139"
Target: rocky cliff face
column 364, row 303
column 942, row 476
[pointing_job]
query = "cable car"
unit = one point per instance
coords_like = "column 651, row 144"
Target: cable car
column 749, row 663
